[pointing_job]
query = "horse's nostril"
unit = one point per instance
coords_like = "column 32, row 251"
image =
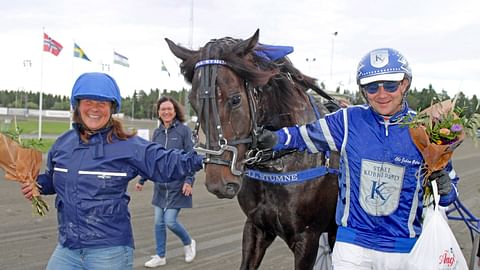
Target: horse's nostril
column 231, row 189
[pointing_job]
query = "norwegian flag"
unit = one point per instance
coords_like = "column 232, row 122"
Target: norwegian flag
column 50, row 45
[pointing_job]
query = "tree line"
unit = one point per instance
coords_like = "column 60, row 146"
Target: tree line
column 142, row 104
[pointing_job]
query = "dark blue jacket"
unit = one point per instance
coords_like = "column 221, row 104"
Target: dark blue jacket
column 169, row 194
column 91, row 181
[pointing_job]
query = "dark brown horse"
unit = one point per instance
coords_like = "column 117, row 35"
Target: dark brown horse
column 234, row 92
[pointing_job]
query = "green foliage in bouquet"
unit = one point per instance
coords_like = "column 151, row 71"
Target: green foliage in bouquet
column 21, row 161
column 447, row 127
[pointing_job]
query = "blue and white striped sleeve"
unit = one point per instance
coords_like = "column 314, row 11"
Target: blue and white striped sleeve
column 314, row 137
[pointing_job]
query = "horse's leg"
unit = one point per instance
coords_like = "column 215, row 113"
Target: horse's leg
column 305, row 250
column 254, row 244
column 332, row 236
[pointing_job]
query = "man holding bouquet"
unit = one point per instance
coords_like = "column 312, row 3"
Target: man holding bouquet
column 380, row 203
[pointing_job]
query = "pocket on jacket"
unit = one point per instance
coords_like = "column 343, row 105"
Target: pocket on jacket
column 97, row 183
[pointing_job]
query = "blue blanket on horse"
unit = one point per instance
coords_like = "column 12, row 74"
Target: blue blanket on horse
column 272, row 52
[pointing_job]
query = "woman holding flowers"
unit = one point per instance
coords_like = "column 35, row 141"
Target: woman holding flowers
column 89, row 168
column 380, row 202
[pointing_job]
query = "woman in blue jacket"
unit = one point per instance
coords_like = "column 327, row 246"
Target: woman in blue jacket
column 89, row 168
column 170, row 197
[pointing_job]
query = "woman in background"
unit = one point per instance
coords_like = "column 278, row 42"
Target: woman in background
column 169, row 198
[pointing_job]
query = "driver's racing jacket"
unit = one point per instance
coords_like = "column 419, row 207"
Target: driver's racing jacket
column 380, row 201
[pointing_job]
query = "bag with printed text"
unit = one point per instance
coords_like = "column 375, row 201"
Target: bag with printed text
column 436, row 248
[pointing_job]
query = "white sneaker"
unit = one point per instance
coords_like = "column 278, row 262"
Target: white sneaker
column 190, row 251
column 156, row 261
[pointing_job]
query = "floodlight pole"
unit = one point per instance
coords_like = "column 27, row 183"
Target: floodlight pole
column 27, row 64
column 310, row 61
column 334, row 34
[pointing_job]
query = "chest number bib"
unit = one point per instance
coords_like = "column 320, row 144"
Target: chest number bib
column 380, row 186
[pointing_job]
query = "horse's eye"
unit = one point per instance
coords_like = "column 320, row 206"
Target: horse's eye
column 235, row 100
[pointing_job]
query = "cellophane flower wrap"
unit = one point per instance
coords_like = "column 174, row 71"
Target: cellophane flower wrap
column 22, row 164
column 437, row 131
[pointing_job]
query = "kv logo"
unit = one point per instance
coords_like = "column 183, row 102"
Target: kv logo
column 379, row 58
column 379, row 191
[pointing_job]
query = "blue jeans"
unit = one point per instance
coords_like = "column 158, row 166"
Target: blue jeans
column 167, row 217
column 111, row 258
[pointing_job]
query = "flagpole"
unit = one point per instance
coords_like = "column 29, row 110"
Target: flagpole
column 190, row 30
column 40, row 101
column 73, row 57
column 73, row 78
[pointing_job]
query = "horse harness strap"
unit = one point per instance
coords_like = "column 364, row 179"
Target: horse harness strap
column 314, row 106
column 291, row 177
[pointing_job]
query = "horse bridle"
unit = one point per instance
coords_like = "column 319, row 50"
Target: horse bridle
column 206, row 97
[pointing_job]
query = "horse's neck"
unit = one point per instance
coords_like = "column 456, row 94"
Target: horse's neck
column 276, row 117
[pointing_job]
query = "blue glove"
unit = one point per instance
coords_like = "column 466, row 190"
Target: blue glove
column 444, row 182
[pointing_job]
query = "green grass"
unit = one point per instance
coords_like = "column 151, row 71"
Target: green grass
column 31, row 126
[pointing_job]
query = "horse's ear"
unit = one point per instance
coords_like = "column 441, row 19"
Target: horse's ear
column 179, row 51
column 247, row 45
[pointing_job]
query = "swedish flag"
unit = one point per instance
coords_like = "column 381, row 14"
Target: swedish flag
column 78, row 52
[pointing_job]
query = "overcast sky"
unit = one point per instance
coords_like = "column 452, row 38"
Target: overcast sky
column 439, row 38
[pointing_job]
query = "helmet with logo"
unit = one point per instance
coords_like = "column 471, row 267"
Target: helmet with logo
column 384, row 64
column 96, row 86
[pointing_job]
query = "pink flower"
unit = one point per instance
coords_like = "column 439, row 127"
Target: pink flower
column 444, row 131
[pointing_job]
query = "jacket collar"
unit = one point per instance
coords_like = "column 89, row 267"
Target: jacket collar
column 175, row 123
column 96, row 139
column 397, row 117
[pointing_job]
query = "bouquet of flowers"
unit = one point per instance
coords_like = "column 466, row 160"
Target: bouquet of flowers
column 437, row 131
column 21, row 162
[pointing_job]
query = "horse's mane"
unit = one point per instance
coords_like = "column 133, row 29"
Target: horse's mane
column 280, row 87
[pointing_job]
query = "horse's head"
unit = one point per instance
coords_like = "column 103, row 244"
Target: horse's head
column 223, row 75
column 237, row 86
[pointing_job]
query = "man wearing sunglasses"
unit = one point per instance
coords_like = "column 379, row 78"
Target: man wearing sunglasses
column 380, row 201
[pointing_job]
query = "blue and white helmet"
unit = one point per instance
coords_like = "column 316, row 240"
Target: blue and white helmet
column 384, row 64
column 96, row 86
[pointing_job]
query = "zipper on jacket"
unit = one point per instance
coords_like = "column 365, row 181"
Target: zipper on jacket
column 166, row 186
column 386, row 124
column 166, row 138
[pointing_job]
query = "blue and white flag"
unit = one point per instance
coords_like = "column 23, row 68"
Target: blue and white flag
column 120, row 59
column 164, row 68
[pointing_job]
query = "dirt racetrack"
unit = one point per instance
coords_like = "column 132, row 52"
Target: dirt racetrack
column 26, row 241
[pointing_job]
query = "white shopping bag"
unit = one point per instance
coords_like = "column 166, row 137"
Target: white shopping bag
column 324, row 255
column 436, row 248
